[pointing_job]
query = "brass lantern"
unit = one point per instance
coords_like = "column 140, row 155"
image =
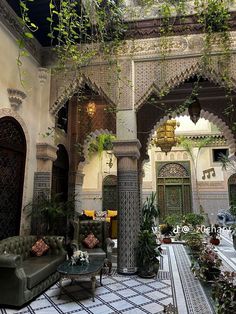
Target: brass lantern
column 165, row 137
column 91, row 109
column 194, row 110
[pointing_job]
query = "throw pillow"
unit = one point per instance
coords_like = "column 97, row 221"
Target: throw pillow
column 111, row 213
column 91, row 241
column 101, row 214
column 89, row 213
column 39, row 248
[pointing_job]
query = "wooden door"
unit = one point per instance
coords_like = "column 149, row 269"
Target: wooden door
column 173, row 188
column 174, row 201
column 12, row 167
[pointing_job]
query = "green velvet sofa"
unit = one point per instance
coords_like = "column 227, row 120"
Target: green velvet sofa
column 82, row 228
column 23, row 276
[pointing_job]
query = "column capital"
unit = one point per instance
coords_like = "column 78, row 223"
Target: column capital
column 127, row 148
column 46, row 151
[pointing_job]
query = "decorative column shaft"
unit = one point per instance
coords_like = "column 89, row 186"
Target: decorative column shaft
column 46, row 154
column 127, row 153
column 78, row 191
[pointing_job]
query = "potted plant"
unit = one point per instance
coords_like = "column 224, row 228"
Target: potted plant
column 193, row 219
column 214, row 234
column 224, row 293
column 166, row 231
column 194, row 241
column 207, row 266
column 148, row 250
column 49, row 215
column 147, row 254
column 175, row 221
column 150, row 212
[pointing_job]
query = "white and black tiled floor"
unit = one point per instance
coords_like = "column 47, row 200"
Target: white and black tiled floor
column 130, row 294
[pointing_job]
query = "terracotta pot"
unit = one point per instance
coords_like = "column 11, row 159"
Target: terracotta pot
column 214, row 241
column 166, row 240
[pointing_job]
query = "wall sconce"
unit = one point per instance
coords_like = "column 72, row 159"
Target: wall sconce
column 194, row 110
column 91, row 109
column 110, row 162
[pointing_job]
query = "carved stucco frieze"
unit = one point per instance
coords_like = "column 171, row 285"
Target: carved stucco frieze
column 42, row 75
column 16, row 98
column 142, row 71
column 101, row 79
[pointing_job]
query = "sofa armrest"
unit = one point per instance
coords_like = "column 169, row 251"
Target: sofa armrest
column 10, row 261
column 74, row 245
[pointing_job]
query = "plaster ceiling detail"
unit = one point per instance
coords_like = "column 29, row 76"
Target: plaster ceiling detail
column 155, row 76
column 63, row 88
column 226, row 132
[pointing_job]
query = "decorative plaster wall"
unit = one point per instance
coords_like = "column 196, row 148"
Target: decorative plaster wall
column 32, row 110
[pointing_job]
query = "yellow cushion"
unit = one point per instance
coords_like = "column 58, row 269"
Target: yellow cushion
column 111, row 213
column 89, row 213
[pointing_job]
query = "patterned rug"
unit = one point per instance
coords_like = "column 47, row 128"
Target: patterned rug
column 174, row 285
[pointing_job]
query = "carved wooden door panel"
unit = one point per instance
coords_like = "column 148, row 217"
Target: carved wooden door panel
column 173, row 188
column 174, row 203
column 12, row 165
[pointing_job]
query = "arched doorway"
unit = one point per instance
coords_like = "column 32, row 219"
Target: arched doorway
column 59, row 188
column 173, row 188
column 232, row 188
column 60, row 173
column 109, row 193
column 12, row 168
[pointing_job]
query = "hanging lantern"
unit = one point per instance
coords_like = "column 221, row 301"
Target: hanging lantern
column 165, row 136
column 194, row 110
column 91, row 109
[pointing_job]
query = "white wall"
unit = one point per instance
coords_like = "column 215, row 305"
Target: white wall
column 28, row 115
column 213, row 191
column 95, row 170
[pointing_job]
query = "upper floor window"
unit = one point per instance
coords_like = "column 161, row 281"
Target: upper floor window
column 218, row 152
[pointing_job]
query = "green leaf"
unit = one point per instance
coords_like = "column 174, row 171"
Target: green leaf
column 28, row 35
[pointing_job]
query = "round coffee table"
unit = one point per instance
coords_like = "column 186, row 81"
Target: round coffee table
column 76, row 272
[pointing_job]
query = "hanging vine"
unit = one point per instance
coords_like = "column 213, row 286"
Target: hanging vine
column 28, row 28
column 82, row 30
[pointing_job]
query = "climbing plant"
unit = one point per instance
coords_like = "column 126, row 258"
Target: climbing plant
column 100, row 143
column 82, row 30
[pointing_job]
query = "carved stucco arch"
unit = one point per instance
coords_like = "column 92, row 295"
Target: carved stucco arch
column 73, row 87
column 176, row 80
column 6, row 112
column 89, row 139
column 223, row 127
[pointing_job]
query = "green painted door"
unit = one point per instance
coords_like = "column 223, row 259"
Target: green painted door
column 174, row 202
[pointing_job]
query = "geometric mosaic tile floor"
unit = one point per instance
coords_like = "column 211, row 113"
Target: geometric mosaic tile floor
column 129, row 294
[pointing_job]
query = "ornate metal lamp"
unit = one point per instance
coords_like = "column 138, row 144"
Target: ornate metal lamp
column 194, row 110
column 165, row 137
column 91, row 109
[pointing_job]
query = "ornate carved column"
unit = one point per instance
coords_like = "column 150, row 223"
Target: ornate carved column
column 72, row 137
column 45, row 154
column 127, row 153
column 78, row 190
